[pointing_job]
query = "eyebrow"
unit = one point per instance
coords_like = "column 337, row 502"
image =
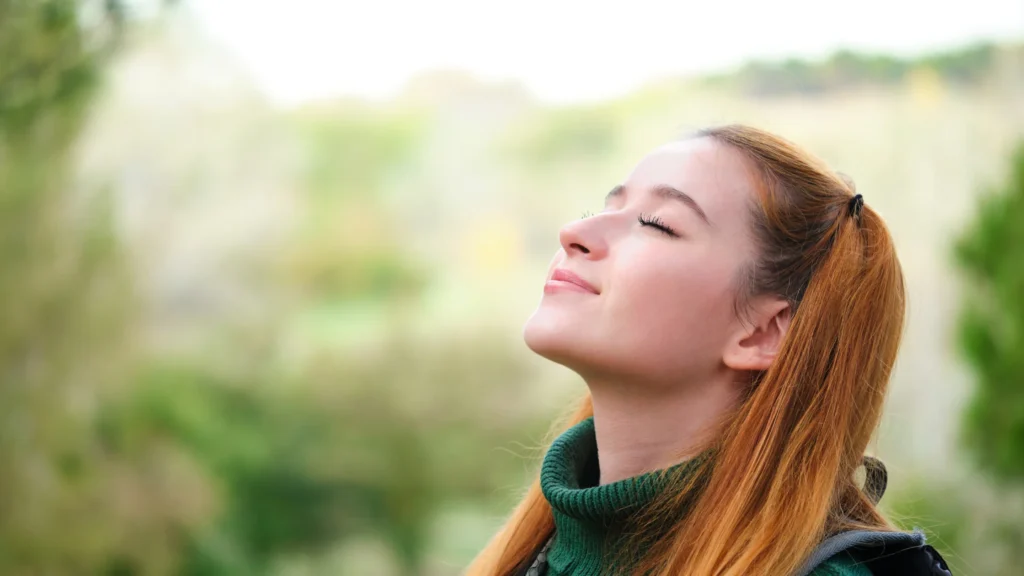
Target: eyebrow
column 668, row 192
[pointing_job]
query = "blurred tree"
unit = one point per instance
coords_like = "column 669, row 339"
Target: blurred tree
column 991, row 254
column 846, row 69
column 350, row 445
column 261, row 443
column 65, row 300
column 349, row 248
column 418, row 426
column 967, row 65
column 991, row 338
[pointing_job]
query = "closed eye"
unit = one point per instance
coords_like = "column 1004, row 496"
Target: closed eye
column 658, row 223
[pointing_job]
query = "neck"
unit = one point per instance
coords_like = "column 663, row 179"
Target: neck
column 640, row 429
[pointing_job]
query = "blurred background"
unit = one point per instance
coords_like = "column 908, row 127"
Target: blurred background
column 264, row 265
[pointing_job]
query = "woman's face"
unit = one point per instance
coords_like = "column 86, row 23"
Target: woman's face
column 662, row 303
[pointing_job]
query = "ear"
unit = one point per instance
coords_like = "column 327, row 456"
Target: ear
column 753, row 347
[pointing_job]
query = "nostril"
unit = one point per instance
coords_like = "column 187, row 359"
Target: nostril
column 580, row 247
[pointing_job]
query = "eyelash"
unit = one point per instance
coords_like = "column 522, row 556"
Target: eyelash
column 645, row 220
column 656, row 222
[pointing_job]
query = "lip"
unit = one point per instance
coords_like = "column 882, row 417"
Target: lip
column 562, row 279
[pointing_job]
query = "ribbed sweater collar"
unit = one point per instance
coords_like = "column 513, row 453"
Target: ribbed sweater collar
column 590, row 520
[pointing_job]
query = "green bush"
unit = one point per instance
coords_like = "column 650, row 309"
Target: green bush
column 991, row 335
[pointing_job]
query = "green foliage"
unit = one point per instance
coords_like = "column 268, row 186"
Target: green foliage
column 991, row 254
column 845, row 70
column 48, row 65
column 965, row 66
column 260, row 444
column 64, row 299
column 348, row 447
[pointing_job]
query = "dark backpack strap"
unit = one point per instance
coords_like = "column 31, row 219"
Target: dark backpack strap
column 884, row 553
column 860, row 539
column 912, row 561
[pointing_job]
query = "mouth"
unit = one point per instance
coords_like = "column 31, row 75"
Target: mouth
column 563, row 279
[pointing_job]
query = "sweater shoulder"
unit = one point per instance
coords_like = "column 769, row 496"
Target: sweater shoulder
column 842, row 564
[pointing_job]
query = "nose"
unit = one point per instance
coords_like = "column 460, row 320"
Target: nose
column 583, row 238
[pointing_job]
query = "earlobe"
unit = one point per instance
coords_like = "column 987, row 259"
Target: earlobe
column 755, row 346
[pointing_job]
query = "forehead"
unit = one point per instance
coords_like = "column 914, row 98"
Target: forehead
column 715, row 175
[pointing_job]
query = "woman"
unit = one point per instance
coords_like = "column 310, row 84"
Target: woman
column 735, row 311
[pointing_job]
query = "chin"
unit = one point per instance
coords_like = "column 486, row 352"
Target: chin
column 558, row 341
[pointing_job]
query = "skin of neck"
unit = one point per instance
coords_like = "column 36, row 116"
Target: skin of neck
column 641, row 428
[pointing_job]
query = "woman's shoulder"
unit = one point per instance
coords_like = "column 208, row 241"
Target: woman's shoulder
column 842, row 564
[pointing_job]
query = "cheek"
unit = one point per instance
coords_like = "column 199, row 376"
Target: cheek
column 680, row 295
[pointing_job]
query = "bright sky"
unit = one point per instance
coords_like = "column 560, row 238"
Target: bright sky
column 569, row 50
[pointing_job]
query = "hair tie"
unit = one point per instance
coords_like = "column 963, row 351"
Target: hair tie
column 856, row 203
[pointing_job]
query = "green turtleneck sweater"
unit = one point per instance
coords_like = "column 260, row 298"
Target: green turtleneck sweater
column 589, row 519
